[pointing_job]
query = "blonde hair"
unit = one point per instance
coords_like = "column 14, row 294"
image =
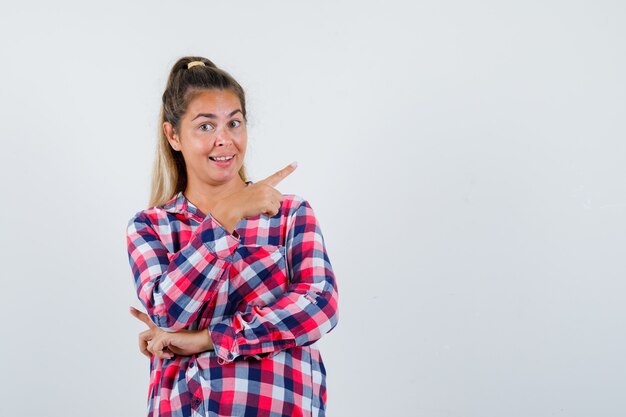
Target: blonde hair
column 169, row 174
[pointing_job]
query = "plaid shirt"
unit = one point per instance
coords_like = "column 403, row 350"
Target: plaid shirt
column 266, row 294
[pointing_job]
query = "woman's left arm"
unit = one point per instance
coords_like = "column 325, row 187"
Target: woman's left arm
column 301, row 315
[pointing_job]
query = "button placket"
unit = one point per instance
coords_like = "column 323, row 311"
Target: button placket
column 193, row 383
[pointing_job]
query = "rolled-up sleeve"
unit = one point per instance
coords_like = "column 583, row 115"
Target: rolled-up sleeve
column 173, row 287
column 301, row 315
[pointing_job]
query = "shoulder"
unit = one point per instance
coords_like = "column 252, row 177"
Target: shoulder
column 293, row 202
column 153, row 215
column 295, row 206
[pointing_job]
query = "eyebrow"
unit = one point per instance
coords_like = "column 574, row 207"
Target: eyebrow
column 213, row 116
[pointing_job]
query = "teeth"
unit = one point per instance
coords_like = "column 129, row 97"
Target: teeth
column 221, row 158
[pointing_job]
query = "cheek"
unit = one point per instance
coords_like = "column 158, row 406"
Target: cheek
column 200, row 147
column 242, row 141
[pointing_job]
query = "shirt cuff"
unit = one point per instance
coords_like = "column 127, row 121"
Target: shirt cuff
column 229, row 343
column 224, row 341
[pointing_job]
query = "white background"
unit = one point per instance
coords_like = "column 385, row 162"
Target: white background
column 466, row 161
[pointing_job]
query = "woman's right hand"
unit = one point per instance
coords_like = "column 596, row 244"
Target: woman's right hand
column 258, row 198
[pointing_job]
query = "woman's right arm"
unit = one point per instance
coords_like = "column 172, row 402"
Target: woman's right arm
column 173, row 287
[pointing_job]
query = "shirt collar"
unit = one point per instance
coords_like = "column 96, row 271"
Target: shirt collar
column 180, row 204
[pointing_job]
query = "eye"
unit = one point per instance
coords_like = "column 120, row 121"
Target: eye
column 235, row 123
column 208, row 127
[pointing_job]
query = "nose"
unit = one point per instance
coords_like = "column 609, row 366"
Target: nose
column 222, row 137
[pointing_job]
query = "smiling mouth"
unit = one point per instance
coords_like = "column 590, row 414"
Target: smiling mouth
column 221, row 158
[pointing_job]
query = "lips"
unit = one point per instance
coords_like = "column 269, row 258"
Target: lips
column 221, row 158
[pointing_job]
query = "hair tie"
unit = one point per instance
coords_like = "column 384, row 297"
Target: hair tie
column 194, row 63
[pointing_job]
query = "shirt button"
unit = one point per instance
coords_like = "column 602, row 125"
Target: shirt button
column 191, row 364
column 196, row 402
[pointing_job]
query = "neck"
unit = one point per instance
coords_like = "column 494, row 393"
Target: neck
column 205, row 196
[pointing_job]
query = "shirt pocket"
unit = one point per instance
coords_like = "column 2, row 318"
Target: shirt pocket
column 258, row 276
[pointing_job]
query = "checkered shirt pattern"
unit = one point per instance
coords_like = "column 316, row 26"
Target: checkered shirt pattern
column 266, row 294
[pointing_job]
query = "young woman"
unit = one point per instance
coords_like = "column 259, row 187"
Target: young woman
column 234, row 275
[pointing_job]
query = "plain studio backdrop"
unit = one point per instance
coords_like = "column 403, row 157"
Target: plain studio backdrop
column 466, row 161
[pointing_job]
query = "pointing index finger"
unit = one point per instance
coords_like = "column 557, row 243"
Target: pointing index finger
column 280, row 175
column 141, row 316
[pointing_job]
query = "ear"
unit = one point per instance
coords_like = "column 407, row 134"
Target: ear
column 172, row 136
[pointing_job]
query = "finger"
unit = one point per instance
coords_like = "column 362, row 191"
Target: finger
column 158, row 347
column 147, row 335
column 273, row 209
column 280, row 175
column 143, row 348
column 166, row 353
column 143, row 339
column 141, row 316
column 150, row 346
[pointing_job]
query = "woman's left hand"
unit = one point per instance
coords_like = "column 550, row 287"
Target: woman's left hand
column 165, row 345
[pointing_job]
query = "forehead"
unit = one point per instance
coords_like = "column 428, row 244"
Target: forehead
column 218, row 102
